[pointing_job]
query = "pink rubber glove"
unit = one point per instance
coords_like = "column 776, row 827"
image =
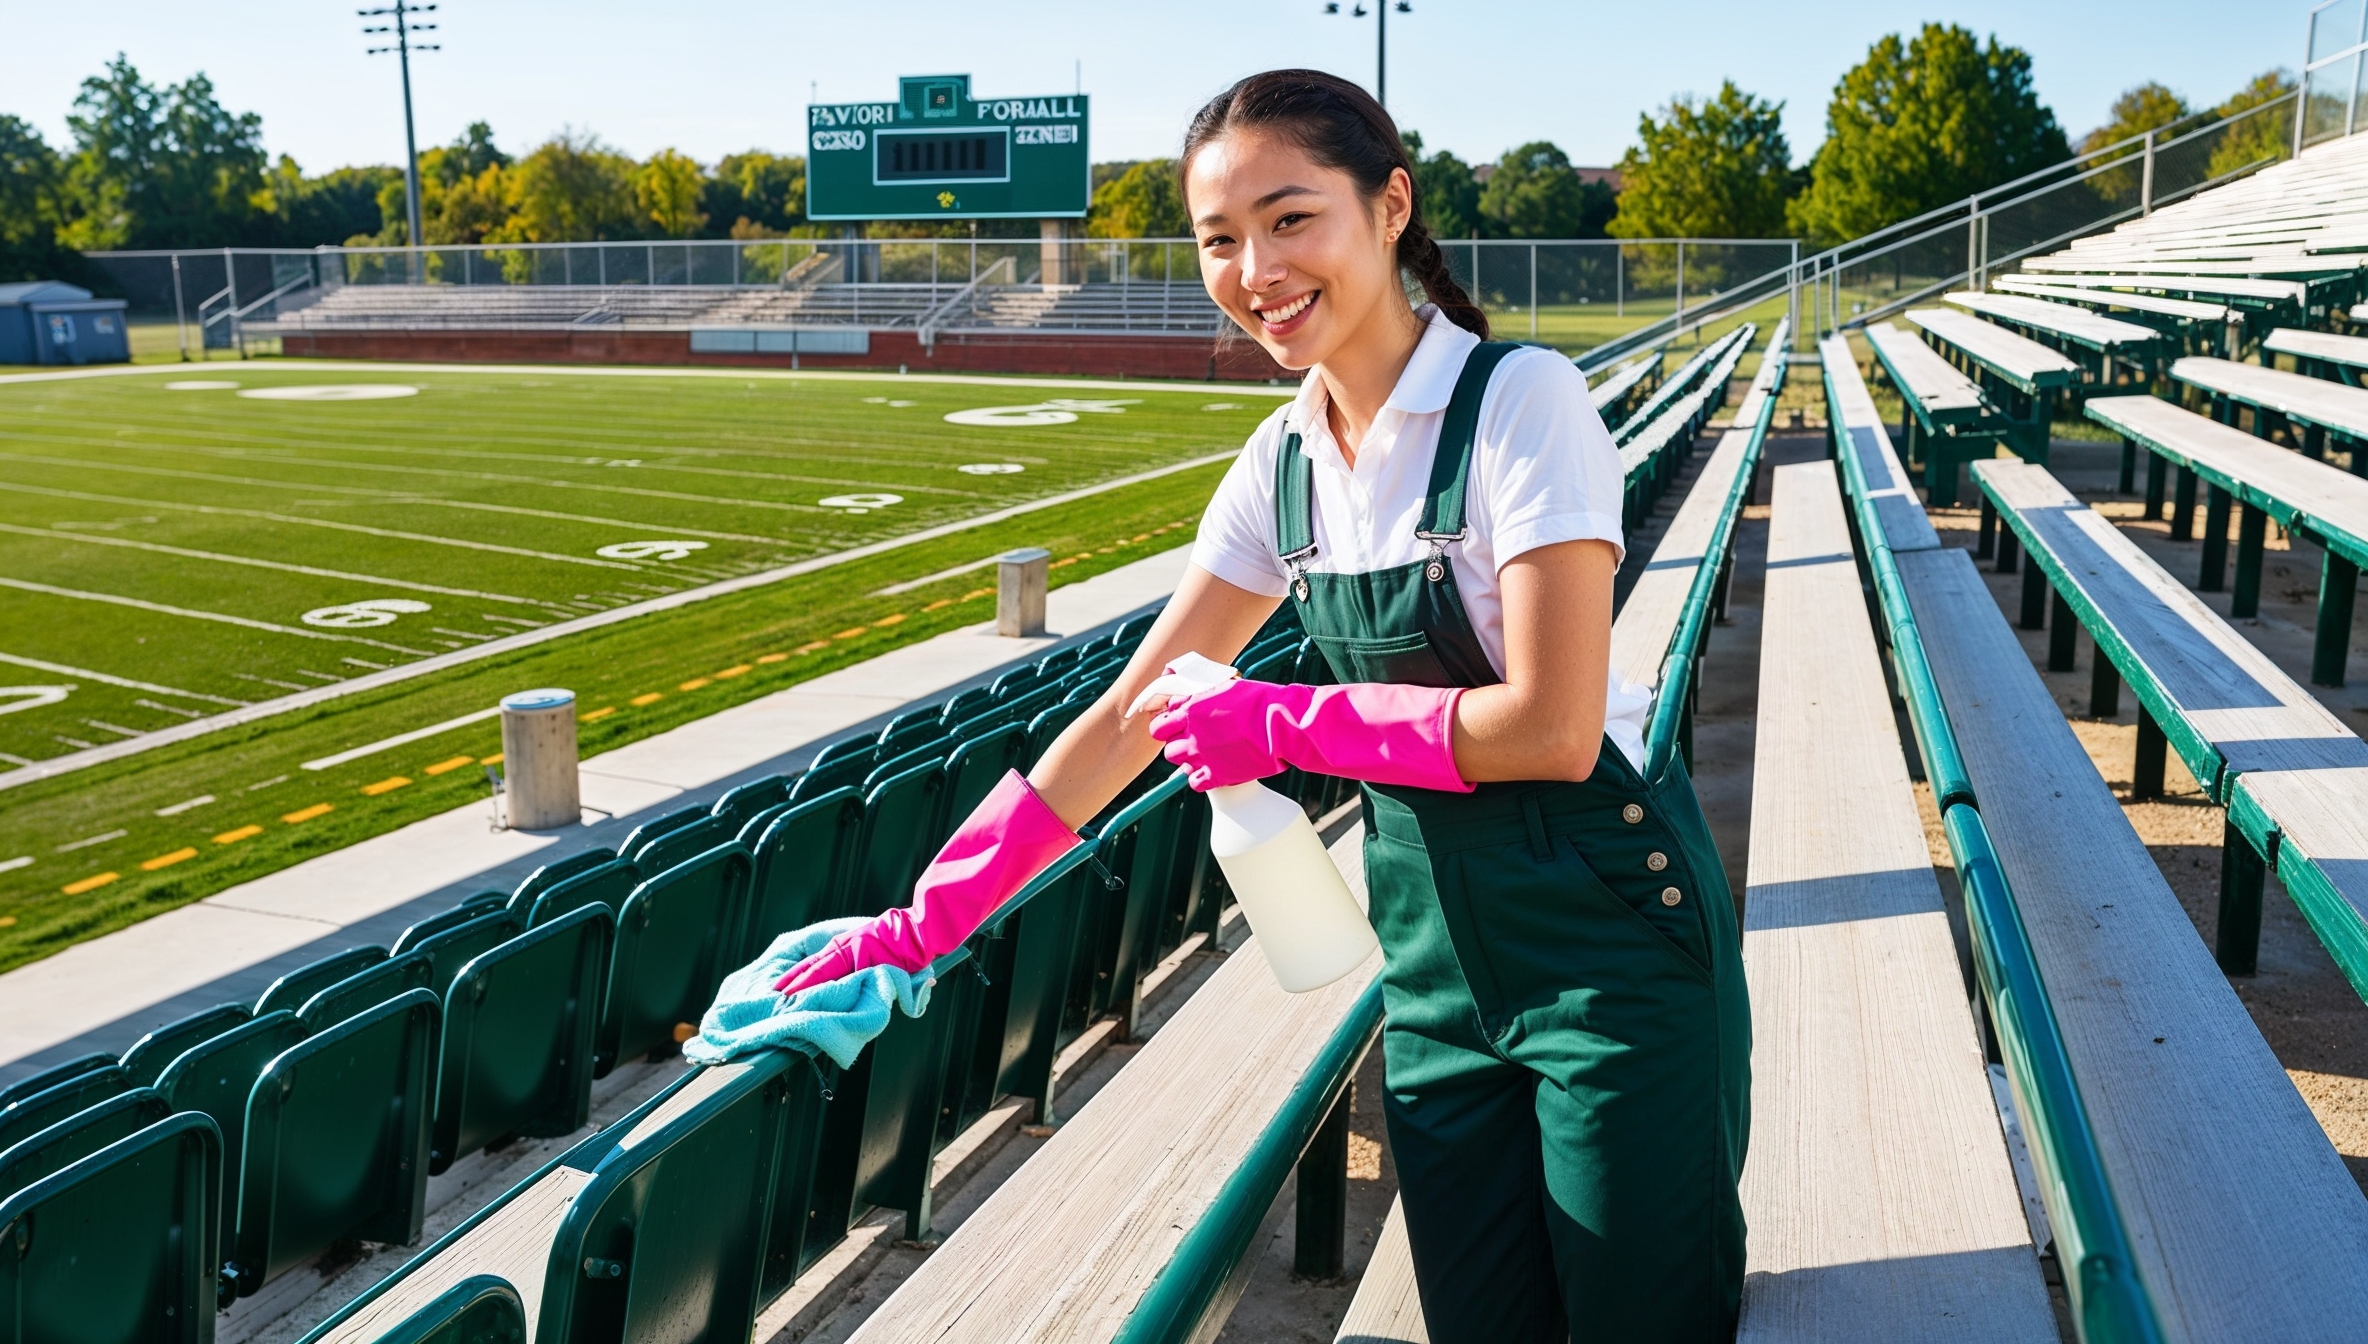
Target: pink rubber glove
column 1371, row 731
column 1009, row 839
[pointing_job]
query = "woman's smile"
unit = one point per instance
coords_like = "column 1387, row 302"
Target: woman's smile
column 1282, row 319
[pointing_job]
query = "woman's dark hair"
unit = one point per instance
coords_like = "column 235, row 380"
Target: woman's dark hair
column 1341, row 127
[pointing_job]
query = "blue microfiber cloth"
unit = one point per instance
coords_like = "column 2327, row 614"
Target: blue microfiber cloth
column 836, row 1019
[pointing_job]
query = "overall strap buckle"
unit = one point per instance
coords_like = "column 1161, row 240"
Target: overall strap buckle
column 1436, row 569
column 1296, row 562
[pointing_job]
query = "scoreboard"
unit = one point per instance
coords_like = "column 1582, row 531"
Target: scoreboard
column 938, row 153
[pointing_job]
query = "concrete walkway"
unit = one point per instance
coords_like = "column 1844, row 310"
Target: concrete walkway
column 105, row 993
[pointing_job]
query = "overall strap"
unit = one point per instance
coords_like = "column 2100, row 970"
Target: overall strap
column 1443, row 505
column 1294, row 512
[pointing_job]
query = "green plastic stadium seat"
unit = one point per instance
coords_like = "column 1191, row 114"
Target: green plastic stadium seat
column 666, row 1240
column 969, row 704
column 846, row 772
column 54, row 1075
column 291, row 991
column 1131, row 632
column 47, row 1151
column 367, row 990
column 1013, row 684
column 911, row 760
column 896, row 812
column 863, row 744
column 125, row 1251
column 674, row 938
column 455, row 947
column 742, row 803
column 911, row 729
column 28, row 1116
column 473, row 907
column 149, row 1055
column 216, row 1075
column 552, row 874
column 687, row 842
column 1058, row 661
column 662, row 824
column 519, row 1025
column 800, row 867
column 337, row 1140
column 975, row 767
column 480, row 1309
column 609, row 885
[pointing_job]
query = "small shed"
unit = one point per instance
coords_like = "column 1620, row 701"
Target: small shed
column 51, row 322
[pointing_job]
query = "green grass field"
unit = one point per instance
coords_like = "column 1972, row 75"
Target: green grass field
column 211, row 546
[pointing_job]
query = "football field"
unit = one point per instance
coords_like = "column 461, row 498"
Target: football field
column 181, row 544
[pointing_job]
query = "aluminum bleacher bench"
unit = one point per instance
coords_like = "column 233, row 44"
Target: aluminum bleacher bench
column 2200, row 327
column 1881, row 1200
column 2320, row 354
column 2312, row 499
column 1652, row 455
column 2328, row 415
column 1613, row 392
column 1688, row 378
column 2292, row 776
column 1944, row 418
column 2106, row 347
column 1857, row 424
column 2022, row 378
column 2263, row 1238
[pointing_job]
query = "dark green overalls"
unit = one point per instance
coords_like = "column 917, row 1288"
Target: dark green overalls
column 1568, row 1043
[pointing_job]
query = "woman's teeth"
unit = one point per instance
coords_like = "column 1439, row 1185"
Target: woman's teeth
column 1275, row 317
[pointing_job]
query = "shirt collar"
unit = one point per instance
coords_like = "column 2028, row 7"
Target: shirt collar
column 1426, row 385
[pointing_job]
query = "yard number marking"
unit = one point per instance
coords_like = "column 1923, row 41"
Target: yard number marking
column 201, row 385
column 1057, row 411
column 14, row 698
column 990, row 468
column 332, row 392
column 649, row 550
column 368, row 615
column 863, row 503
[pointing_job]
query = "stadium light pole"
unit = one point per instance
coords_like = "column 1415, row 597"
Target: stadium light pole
column 1381, row 40
column 403, row 46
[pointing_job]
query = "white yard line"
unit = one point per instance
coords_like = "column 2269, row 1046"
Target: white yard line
column 219, row 558
column 399, row 739
column 127, row 683
column 163, row 609
column 90, row 756
column 609, row 371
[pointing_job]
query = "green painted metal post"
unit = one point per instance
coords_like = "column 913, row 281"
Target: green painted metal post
column 1320, row 1247
column 2339, row 581
column 2008, row 550
column 2104, row 688
column 2251, row 532
column 2153, row 750
column 2314, row 443
column 2129, row 467
column 2183, row 506
column 1986, row 536
column 2063, row 632
column 2035, row 591
column 2215, row 558
column 2156, row 469
column 2238, row 943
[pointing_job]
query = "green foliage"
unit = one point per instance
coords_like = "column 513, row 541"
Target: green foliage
column 2263, row 138
column 305, row 211
column 572, row 188
column 2147, row 107
column 755, row 195
column 157, row 167
column 667, row 189
column 1534, row 192
column 1446, row 189
column 1919, row 124
column 1718, row 168
column 1141, row 202
column 28, row 203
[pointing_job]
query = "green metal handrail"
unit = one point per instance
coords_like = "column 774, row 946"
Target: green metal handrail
column 2110, row 1303
column 1173, row 1308
column 1677, row 669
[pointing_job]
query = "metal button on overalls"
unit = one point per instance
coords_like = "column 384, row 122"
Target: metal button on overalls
column 1568, row 1075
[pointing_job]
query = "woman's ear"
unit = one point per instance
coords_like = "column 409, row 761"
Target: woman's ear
column 1397, row 205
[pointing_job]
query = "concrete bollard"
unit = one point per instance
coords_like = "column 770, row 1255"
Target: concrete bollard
column 1022, row 576
column 539, row 760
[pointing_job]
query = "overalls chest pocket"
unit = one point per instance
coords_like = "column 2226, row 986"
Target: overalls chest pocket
column 1404, row 659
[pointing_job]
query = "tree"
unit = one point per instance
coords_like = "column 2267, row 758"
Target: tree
column 572, row 188
column 299, row 211
column 2146, row 107
column 2264, row 137
column 755, row 195
column 1717, row 168
column 1535, row 193
column 28, row 202
column 667, row 188
column 160, row 168
column 1919, row 124
column 1142, row 202
column 1449, row 193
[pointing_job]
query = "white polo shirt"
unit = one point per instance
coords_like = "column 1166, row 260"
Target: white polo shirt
column 1544, row 470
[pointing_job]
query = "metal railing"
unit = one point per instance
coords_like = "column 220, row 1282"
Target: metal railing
column 2333, row 62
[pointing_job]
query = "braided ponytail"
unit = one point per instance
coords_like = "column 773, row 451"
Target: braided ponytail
column 1339, row 126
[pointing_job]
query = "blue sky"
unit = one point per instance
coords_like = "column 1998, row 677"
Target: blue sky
column 1475, row 76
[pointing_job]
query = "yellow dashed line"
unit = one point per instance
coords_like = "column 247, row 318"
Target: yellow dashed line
column 976, row 593
column 742, row 670
column 1070, row 561
column 650, row 699
column 445, row 767
column 771, row 657
column 1140, row 536
column 850, row 634
column 89, row 884
column 242, row 833
column 167, row 860
column 939, row 604
column 601, row 713
column 885, row 621
column 816, row 647
column 308, row 813
column 385, row 786
column 7, row 921
column 694, row 683
column 494, row 759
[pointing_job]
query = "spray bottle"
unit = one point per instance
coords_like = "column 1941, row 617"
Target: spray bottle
column 1302, row 913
